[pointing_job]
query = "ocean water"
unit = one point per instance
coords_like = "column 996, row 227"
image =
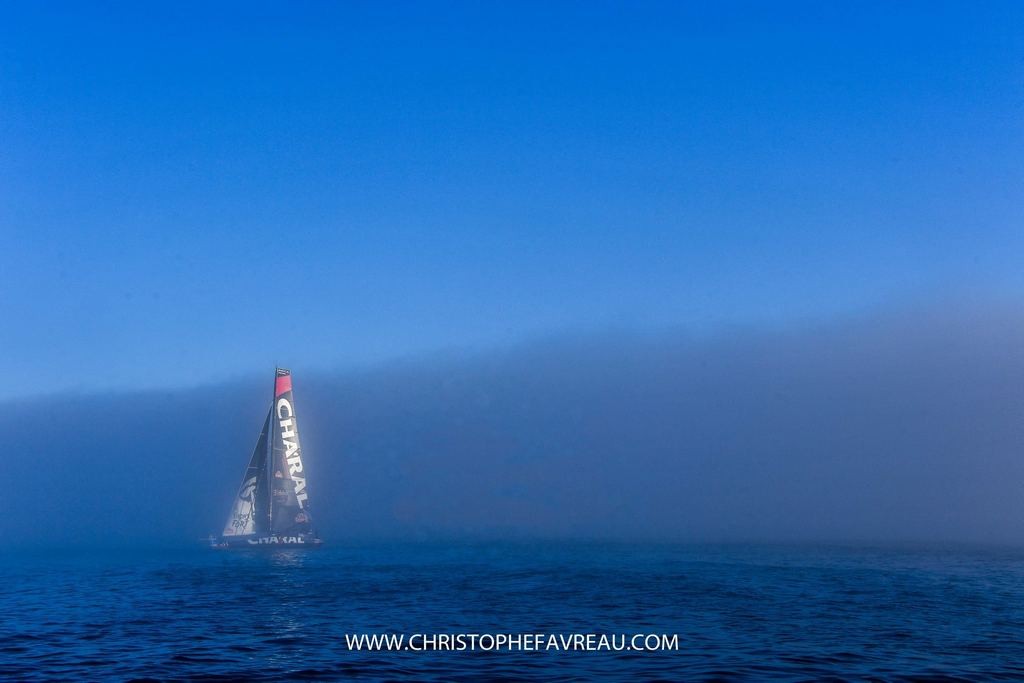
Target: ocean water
column 740, row 612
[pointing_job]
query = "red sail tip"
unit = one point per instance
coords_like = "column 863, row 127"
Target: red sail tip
column 283, row 385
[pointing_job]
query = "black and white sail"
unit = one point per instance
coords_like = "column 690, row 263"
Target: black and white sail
column 250, row 513
column 272, row 505
column 289, row 512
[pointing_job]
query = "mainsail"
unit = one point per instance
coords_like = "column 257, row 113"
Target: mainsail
column 251, row 510
column 289, row 513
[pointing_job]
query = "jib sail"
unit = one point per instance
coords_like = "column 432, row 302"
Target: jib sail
column 251, row 509
column 289, row 514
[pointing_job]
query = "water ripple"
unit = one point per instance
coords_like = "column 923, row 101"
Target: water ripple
column 742, row 613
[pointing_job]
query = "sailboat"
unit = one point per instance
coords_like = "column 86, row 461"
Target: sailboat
column 271, row 508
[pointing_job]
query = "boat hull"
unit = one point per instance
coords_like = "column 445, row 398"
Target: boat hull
column 273, row 542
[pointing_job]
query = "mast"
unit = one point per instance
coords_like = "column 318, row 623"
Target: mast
column 270, row 460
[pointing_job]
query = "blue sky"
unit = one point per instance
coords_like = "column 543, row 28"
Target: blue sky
column 190, row 192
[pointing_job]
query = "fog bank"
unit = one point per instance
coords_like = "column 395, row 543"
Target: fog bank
column 901, row 426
